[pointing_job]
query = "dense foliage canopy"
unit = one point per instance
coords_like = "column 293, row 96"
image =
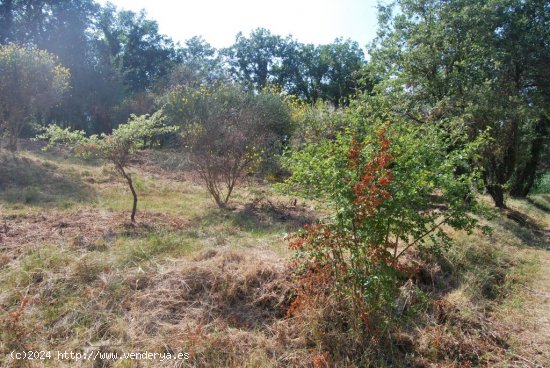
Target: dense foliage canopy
column 473, row 65
column 31, row 81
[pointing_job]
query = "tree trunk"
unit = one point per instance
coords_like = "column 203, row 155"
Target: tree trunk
column 12, row 143
column 525, row 180
column 497, row 193
column 495, row 179
column 134, row 194
column 499, row 168
column 15, row 126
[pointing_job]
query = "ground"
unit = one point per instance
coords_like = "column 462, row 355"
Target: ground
column 77, row 276
column 529, row 325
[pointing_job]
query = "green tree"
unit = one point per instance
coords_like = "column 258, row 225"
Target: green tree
column 341, row 63
column 117, row 148
column 31, row 82
column 200, row 65
column 471, row 65
column 292, row 74
column 72, row 31
column 252, row 59
column 143, row 55
column 330, row 72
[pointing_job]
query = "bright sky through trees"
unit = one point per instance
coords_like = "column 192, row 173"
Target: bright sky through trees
column 218, row 21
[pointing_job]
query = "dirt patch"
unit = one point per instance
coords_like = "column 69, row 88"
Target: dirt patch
column 77, row 228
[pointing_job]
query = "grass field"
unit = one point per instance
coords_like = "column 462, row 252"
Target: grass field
column 76, row 276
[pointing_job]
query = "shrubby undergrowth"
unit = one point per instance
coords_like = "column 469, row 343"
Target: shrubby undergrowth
column 392, row 187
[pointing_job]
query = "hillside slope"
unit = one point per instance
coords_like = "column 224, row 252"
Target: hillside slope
column 76, row 276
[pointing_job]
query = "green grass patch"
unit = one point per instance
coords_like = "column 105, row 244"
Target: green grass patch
column 131, row 250
column 542, row 184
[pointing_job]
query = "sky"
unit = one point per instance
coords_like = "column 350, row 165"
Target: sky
column 218, row 21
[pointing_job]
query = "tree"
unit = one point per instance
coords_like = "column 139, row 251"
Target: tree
column 143, row 55
column 116, row 58
column 292, row 74
column 31, row 81
column 200, row 65
column 117, row 148
column 227, row 131
column 252, row 59
column 328, row 72
column 341, row 63
column 67, row 30
column 473, row 66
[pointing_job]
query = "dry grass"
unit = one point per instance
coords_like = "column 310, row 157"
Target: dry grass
column 220, row 306
column 190, row 277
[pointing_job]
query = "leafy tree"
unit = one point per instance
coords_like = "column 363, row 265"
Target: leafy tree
column 340, row 63
column 310, row 72
column 473, row 65
column 116, row 58
column 293, row 71
column 381, row 176
column 31, row 81
column 227, row 132
column 117, row 148
column 73, row 30
column 67, row 30
column 252, row 59
column 200, row 65
column 135, row 46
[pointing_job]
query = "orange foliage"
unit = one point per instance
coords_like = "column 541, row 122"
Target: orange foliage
column 327, row 246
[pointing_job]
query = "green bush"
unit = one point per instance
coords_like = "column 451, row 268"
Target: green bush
column 228, row 132
column 542, row 184
column 116, row 148
column 31, row 81
column 392, row 185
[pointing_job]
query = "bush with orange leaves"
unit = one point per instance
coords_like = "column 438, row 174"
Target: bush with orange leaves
column 380, row 179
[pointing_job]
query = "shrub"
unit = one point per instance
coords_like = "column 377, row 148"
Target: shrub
column 392, row 186
column 228, row 132
column 31, row 81
column 312, row 122
column 542, row 184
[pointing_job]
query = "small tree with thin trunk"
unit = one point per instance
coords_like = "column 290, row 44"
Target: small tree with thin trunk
column 117, row 148
column 31, row 81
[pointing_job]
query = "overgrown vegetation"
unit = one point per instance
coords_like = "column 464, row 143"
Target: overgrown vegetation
column 473, row 65
column 215, row 283
column 227, row 132
column 383, row 185
column 376, row 247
